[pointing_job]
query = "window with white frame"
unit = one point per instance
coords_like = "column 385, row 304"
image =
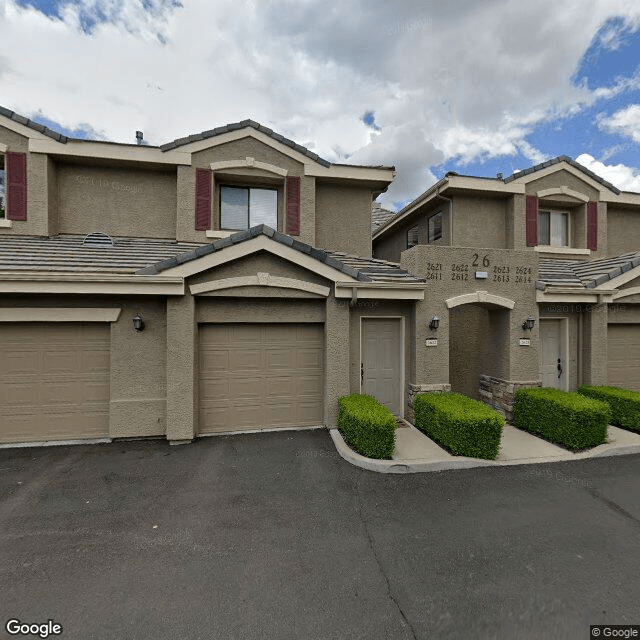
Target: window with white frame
column 413, row 237
column 435, row 227
column 245, row 207
column 553, row 228
column 3, row 182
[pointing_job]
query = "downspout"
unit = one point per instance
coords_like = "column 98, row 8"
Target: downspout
column 354, row 297
column 438, row 195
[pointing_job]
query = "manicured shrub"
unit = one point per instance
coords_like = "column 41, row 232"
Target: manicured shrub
column 464, row 426
column 368, row 426
column 570, row 419
column 624, row 404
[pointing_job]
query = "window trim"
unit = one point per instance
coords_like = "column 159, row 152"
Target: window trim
column 433, row 239
column 551, row 211
column 416, row 229
column 248, row 188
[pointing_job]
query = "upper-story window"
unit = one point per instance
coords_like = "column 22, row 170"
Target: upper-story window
column 245, row 207
column 435, row 227
column 413, row 237
column 3, row 181
column 553, row 228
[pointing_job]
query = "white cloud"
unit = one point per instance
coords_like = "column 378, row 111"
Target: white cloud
column 619, row 175
column 462, row 80
column 625, row 122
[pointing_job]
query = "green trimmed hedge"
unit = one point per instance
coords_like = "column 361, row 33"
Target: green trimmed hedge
column 570, row 419
column 624, row 404
column 464, row 426
column 368, row 426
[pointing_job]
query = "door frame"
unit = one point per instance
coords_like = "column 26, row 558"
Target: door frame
column 564, row 347
column 401, row 346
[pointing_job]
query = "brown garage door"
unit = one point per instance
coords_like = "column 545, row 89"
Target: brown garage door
column 54, row 381
column 623, row 354
column 255, row 376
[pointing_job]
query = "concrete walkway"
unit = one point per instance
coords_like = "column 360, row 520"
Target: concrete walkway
column 415, row 452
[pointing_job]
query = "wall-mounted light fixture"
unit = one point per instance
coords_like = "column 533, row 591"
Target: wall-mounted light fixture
column 529, row 323
column 138, row 323
column 435, row 323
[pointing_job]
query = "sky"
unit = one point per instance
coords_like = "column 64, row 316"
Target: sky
column 472, row 86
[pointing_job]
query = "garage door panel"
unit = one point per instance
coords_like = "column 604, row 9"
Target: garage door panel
column 246, row 359
column 623, row 355
column 213, row 361
column 54, row 382
column 275, row 376
column 279, row 359
column 309, row 359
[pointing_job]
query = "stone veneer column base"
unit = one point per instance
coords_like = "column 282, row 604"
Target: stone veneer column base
column 500, row 394
column 415, row 389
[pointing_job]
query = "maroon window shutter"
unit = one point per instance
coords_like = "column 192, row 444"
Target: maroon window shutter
column 16, row 186
column 532, row 221
column 293, row 206
column 592, row 225
column 203, row 199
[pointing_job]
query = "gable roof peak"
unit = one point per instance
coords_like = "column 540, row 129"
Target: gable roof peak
column 559, row 160
column 245, row 124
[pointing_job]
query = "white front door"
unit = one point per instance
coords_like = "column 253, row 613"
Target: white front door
column 553, row 366
column 381, row 363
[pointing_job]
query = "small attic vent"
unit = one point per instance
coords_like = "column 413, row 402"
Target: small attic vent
column 98, row 239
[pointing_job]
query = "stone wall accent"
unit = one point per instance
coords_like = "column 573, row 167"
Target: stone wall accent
column 500, row 394
column 415, row 389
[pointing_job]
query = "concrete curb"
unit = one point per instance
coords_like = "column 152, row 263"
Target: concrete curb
column 461, row 462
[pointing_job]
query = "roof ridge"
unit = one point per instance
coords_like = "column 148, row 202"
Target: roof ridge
column 558, row 160
column 242, row 124
column 16, row 117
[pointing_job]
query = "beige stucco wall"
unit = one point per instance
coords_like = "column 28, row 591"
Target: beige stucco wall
column 562, row 178
column 263, row 262
column 445, row 269
column 343, row 218
column 37, row 190
column 138, row 360
column 623, row 227
column 240, row 150
column 124, row 201
column 479, row 221
column 52, row 196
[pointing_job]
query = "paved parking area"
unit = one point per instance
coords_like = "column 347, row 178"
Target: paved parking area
column 276, row 536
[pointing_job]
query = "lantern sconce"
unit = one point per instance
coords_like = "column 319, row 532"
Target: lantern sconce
column 529, row 323
column 435, row 323
column 138, row 323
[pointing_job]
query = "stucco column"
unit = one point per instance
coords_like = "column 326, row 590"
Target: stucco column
column 594, row 347
column 336, row 357
column 182, row 411
column 431, row 363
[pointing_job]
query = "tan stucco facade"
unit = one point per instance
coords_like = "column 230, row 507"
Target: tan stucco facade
column 481, row 279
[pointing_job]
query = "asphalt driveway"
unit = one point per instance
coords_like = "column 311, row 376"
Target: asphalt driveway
column 276, row 536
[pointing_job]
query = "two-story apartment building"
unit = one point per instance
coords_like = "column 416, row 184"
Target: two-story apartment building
column 217, row 283
column 554, row 245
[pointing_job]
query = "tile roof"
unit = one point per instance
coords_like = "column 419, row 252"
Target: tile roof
column 362, row 269
column 587, row 274
column 68, row 253
column 558, row 160
column 12, row 115
column 234, row 126
column 379, row 216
